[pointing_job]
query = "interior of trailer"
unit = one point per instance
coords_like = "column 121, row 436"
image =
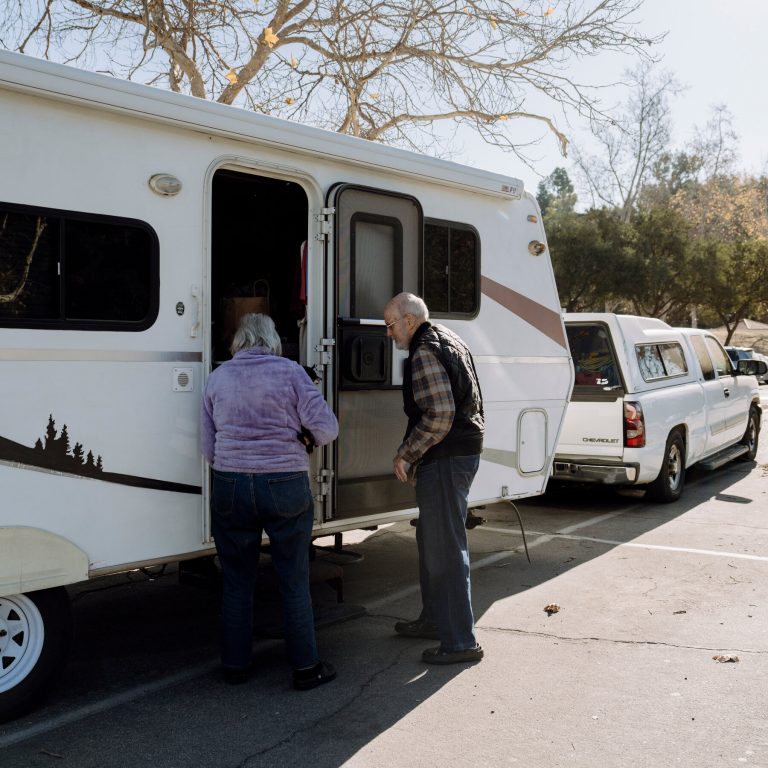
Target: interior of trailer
column 258, row 262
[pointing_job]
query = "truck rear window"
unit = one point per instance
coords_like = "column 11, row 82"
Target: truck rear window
column 593, row 358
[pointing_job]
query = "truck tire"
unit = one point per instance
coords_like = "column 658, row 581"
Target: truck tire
column 751, row 435
column 668, row 486
column 35, row 636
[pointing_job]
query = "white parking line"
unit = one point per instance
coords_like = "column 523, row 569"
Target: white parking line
column 72, row 716
column 663, row 547
column 124, row 697
column 543, row 538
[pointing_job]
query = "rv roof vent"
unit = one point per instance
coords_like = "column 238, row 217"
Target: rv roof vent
column 182, row 380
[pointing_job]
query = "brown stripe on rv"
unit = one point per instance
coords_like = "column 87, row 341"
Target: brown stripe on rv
column 537, row 315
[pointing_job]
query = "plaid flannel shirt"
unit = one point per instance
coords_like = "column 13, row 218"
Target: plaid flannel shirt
column 432, row 393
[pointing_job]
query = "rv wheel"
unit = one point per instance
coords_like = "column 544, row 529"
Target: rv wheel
column 35, row 633
column 668, row 486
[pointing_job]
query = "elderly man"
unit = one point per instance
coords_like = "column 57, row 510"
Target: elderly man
column 441, row 452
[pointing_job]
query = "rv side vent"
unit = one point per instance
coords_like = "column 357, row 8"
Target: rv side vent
column 183, row 380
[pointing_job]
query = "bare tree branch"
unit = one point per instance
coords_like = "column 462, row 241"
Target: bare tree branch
column 389, row 70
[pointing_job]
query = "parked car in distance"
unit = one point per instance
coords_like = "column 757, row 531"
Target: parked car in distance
column 747, row 353
column 650, row 401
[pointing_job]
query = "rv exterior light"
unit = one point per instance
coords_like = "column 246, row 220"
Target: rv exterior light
column 165, row 184
column 535, row 248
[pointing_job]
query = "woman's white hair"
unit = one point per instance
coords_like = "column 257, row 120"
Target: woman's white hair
column 256, row 330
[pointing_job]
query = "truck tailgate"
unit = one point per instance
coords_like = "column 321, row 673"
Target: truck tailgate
column 593, row 428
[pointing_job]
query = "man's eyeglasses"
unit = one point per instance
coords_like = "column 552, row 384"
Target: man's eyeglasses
column 389, row 325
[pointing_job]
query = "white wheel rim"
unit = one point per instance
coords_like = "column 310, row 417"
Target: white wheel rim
column 21, row 639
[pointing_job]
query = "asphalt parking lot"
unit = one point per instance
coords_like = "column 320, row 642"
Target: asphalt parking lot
column 621, row 675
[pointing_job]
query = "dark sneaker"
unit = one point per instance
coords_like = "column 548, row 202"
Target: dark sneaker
column 418, row 628
column 237, row 675
column 473, row 521
column 306, row 679
column 438, row 656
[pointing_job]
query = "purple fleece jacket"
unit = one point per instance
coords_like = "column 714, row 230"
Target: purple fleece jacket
column 252, row 408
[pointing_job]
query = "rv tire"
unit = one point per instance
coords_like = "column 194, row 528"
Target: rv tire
column 668, row 485
column 35, row 636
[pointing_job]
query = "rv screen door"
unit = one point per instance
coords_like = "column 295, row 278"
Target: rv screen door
column 378, row 241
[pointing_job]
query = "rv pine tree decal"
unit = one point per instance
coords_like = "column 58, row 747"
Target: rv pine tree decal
column 54, row 453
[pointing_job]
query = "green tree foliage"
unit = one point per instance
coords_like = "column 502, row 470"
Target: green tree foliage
column 556, row 190
column 697, row 231
column 589, row 251
column 659, row 275
column 735, row 280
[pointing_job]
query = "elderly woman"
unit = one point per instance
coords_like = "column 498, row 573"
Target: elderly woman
column 255, row 409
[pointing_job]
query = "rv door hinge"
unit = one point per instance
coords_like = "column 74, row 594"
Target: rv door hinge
column 323, row 478
column 324, row 219
column 324, row 349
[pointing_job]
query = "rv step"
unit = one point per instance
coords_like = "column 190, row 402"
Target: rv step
column 729, row 454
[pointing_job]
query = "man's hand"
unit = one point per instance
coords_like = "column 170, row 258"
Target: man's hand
column 400, row 467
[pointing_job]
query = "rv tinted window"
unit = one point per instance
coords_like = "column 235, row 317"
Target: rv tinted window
column 451, row 269
column 62, row 269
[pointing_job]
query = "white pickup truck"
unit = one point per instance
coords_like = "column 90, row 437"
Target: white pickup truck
column 650, row 400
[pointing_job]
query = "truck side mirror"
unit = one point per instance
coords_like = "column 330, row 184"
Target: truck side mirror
column 752, row 367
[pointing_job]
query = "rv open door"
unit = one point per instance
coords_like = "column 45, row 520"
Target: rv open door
column 373, row 255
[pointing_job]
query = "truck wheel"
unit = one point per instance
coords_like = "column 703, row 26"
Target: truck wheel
column 668, row 486
column 751, row 435
column 35, row 635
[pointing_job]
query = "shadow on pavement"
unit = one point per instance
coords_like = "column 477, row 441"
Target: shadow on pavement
column 135, row 628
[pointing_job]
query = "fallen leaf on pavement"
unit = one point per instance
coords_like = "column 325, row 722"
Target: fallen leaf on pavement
column 551, row 608
column 725, row 657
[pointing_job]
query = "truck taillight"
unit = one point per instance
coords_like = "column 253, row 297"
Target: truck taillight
column 634, row 426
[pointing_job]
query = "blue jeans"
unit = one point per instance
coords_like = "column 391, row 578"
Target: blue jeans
column 243, row 506
column 442, row 488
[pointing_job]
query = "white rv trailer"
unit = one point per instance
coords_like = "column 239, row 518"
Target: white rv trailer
column 131, row 220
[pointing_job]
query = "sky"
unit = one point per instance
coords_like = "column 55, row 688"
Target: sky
column 717, row 49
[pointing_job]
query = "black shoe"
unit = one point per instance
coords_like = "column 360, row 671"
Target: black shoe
column 237, row 675
column 418, row 628
column 306, row 679
column 438, row 656
column 473, row 521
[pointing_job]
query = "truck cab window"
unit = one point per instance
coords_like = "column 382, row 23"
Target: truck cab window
column 720, row 358
column 705, row 361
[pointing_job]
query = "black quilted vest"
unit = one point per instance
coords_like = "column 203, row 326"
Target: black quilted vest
column 465, row 437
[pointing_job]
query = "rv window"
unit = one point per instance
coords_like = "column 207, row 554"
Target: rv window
column 451, row 269
column 377, row 258
column 72, row 271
